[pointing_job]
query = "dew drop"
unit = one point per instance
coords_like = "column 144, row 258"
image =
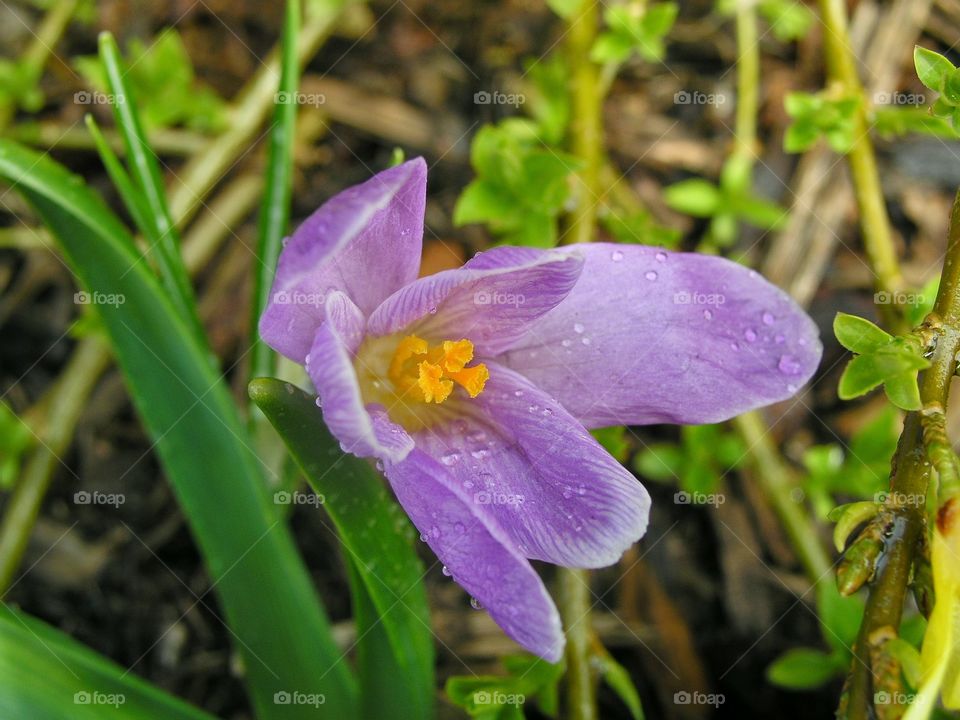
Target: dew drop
column 581, row 490
column 434, row 532
column 802, row 341
column 567, row 493
column 661, row 257
column 548, row 412
column 446, row 571
column 750, row 335
column 479, row 454
column 616, row 256
column 585, row 341
column 319, row 405
column 518, row 393
column 789, row 365
column 450, row 458
column 566, row 342
column 475, row 604
column 734, row 345
column 650, row 275
column 458, row 527
column 379, row 465
column 468, row 484
column 423, row 537
column 432, row 310
column 578, row 328
column 768, row 318
column 708, row 315
column 791, row 387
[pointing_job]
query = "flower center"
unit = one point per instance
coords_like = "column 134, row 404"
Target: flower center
column 428, row 373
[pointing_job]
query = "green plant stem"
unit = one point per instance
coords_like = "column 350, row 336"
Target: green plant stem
column 575, row 610
column 68, row 397
column 911, row 477
column 586, row 140
column 774, row 478
column 586, row 143
column 748, row 83
column 874, row 222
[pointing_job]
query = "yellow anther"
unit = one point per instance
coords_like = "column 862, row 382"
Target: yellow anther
column 429, row 373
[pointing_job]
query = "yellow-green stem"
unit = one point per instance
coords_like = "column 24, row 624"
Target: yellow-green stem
column 874, row 222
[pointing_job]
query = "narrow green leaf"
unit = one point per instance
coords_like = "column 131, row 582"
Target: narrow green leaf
column 160, row 231
column 132, row 198
column 618, row 679
column 376, row 536
column 275, row 211
column 859, row 334
column 46, row 675
column 281, row 631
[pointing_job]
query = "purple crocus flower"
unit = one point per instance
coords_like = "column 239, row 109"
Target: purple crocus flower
column 475, row 387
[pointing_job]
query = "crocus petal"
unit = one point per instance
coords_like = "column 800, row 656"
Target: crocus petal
column 490, row 302
column 558, row 494
column 477, row 553
column 330, row 366
column 364, row 241
column 648, row 336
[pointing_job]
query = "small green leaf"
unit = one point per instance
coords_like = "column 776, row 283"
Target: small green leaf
column 802, row 669
column 618, row 679
column 696, row 197
column 933, row 69
column 859, row 377
column 903, row 392
column 482, row 201
column 859, row 334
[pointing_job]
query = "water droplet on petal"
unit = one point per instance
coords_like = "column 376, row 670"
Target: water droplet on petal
column 475, row 604
column 450, row 458
column 479, row 454
column 578, row 328
column 581, row 490
column 468, row 484
column 434, row 532
column 318, row 401
column 518, row 393
column 734, row 345
column 708, row 315
column 567, row 493
column 585, row 341
column 616, row 256
column 661, row 257
column 432, row 310
column 566, row 342
column 423, row 537
column 791, row 387
column 446, row 571
column 650, row 275
column 802, row 341
column 789, row 365
column 458, row 527
column 548, row 412
column 768, row 318
column 750, row 335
